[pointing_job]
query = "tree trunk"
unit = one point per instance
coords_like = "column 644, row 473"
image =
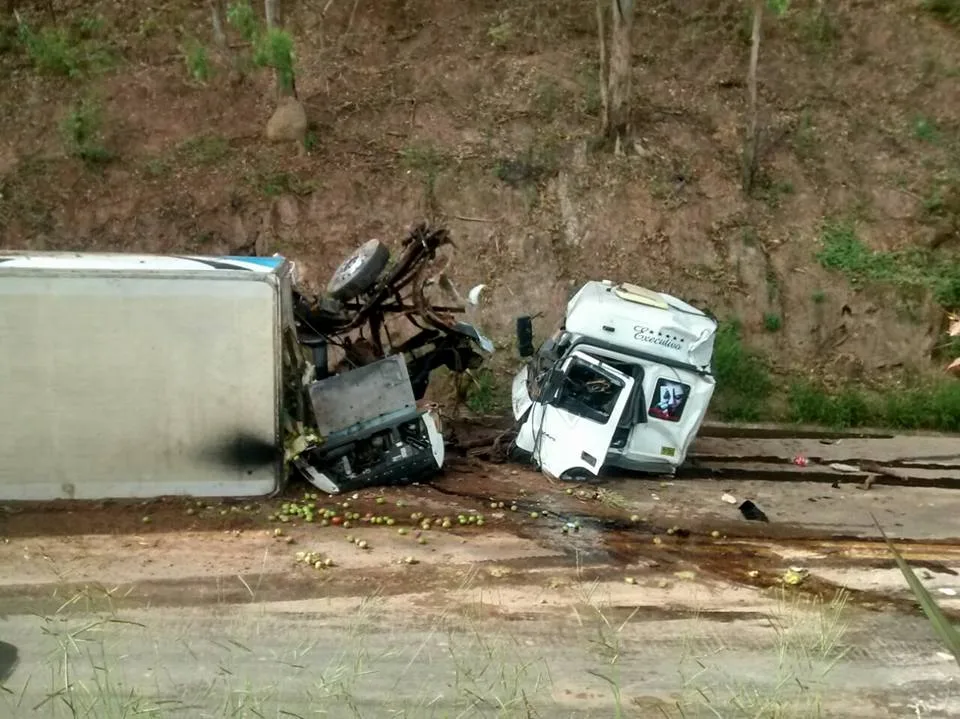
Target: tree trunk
column 217, row 15
column 272, row 17
column 271, row 13
column 604, row 73
column 617, row 117
column 751, row 141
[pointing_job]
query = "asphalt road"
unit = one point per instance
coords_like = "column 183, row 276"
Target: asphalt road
column 477, row 654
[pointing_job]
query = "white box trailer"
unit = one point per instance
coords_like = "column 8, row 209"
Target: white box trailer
column 141, row 376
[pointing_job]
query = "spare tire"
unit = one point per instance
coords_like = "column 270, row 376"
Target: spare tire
column 359, row 271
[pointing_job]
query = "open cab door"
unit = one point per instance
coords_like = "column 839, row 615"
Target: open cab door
column 576, row 418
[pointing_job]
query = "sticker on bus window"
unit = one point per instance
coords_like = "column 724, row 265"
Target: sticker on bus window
column 669, row 399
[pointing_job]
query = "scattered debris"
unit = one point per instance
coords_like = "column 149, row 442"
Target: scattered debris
column 365, row 408
column 948, row 591
column 848, row 468
column 728, row 498
column 800, row 461
column 752, row 512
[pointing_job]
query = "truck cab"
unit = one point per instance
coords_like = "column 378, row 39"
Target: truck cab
column 625, row 382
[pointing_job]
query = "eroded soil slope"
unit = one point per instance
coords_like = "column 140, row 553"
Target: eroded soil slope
column 482, row 113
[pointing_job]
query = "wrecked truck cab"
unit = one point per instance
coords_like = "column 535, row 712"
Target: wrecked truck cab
column 625, row 382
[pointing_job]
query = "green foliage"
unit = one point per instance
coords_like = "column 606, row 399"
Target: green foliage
column 274, row 49
column 946, row 10
column 503, row 32
column 946, row 632
column 241, row 16
column 66, row 51
column 933, row 406
column 82, row 134
column 818, row 297
column 772, row 322
column 778, row 7
column 743, row 377
column 811, row 404
column 843, row 251
column 926, row 130
column 197, row 60
column 485, row 394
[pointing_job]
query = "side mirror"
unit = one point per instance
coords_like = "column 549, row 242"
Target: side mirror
column 552, row 384
column 525, row 336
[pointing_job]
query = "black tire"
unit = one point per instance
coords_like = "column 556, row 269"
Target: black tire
column 359, row 271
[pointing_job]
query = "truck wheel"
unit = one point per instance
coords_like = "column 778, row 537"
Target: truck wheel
column 359, row 271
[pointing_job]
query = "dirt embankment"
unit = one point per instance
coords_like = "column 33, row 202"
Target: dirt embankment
column 117, row 132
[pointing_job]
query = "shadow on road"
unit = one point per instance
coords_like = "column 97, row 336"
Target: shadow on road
column 9, row 656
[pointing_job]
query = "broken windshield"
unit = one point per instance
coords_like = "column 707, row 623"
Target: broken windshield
column 588, row 392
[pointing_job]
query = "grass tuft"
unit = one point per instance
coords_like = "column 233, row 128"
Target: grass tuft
column 485, row 393
column 197, row 60
column 932, row 406
column 66, row 51
column 744, row 384
column 914, row 268
column 83, row 135
column 946, row 10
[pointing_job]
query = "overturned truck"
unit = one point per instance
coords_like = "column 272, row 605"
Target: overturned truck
column 365, row 407
column 127, row 375
column 624, row 382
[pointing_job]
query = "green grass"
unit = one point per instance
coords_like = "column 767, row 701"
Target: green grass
column 747, row 392
column 844, row 252
column 486, row 393
column 926, row 130
column 197, row 60
column 933, row 406
column 67, row 51
column 744, row 385
column 946, row 10
column 82, row 134
column 772, row 322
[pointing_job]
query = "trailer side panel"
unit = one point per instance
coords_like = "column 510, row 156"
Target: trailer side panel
column 127, row 385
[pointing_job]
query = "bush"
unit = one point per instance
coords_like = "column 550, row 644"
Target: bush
column 743, row 377
column 81, row 130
